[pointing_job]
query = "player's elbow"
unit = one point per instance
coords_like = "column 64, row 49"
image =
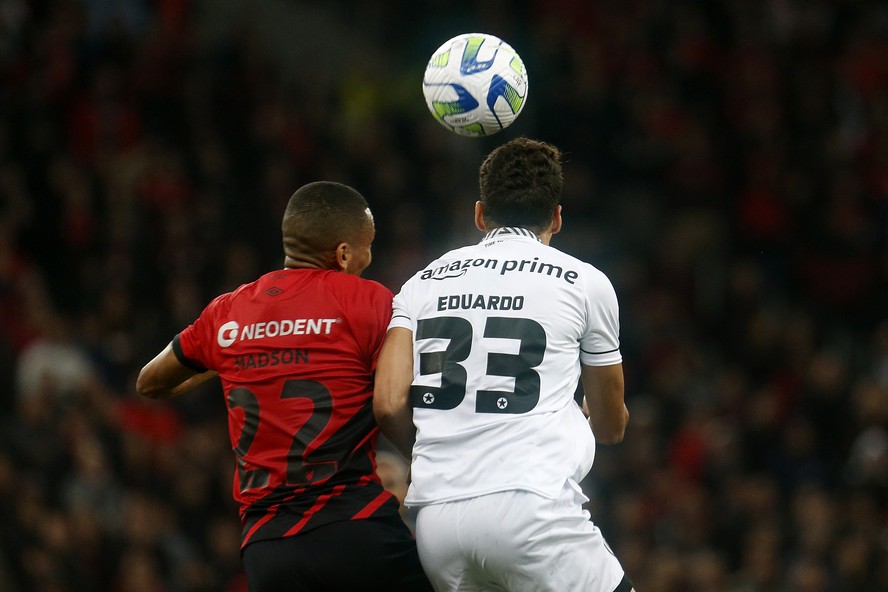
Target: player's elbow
column 395, row 419
column 390, row 397
column 385, row 409
column 148, row 386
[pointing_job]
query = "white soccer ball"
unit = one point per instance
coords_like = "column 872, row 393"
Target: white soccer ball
column 475, row 84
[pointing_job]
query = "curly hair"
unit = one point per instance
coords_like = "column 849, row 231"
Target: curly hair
column 521, row 184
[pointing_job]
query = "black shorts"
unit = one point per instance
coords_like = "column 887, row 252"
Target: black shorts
column 366, row 555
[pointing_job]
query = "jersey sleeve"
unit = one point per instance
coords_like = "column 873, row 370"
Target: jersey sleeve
column 370, row 324
column 600, row 344
column 400, row 315
column 382, row 312
column 193, row 346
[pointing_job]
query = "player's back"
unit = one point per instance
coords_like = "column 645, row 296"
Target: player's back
column 498, row 330
column 295, row 351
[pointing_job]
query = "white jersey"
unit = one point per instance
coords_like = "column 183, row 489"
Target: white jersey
column 500, row 329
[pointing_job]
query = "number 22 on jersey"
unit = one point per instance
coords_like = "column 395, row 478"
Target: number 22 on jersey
column 302, row 469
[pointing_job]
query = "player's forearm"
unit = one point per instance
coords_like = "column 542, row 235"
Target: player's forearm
column 603, row 388
column 154, row 390
column 192, row 383
column 168, row 391
column 165, row 377
column 397, row 426
column 609, row 429
column 391, row 395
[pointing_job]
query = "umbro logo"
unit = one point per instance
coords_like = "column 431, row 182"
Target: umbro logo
column 274, row 291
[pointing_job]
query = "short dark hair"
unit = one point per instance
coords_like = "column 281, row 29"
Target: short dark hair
column 521, row 184
column 322, row 214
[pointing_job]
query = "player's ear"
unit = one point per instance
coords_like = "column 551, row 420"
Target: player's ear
column 479, row 217
column 343, row 254
column 556, row 220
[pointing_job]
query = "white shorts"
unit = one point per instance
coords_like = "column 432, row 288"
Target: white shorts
column 515, row 541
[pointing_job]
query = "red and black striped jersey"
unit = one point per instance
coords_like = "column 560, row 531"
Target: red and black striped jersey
column 296, row 351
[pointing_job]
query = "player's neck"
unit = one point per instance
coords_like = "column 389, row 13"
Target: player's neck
column 544, row 237
column 306, row 263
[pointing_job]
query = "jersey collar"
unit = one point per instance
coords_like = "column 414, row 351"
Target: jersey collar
column 510, row 231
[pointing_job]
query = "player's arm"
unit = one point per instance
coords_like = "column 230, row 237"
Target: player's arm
column 165, row 376
column 608, row 415
column 391, row 395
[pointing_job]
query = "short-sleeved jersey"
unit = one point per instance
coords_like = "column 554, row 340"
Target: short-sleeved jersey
column 500, row 330
column 296, row 351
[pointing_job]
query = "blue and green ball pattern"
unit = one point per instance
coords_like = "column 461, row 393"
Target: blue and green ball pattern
column 482, row 92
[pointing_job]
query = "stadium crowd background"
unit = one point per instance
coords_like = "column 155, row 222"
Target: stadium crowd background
column 727, row 168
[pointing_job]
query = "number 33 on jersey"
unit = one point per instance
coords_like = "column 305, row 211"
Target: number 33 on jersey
column 500, row 329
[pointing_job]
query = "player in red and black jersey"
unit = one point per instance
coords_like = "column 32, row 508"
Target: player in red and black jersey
column 296, row 351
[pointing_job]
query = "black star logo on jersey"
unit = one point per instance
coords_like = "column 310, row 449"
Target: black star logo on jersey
column 428, row 398
column 274, row 291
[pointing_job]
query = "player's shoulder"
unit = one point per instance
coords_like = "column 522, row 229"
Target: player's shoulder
column 225, row 301
column 588, row 270
column 594, row 275
column 588, row 278
column 357, row 286
column 357, row 298
column 222, row 303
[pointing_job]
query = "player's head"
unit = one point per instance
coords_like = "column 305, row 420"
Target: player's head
column 521, row 183
column 328, row 225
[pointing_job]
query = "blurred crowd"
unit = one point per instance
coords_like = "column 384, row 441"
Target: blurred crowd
column 727, row 167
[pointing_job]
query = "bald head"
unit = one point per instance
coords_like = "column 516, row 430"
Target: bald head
column 320, row 218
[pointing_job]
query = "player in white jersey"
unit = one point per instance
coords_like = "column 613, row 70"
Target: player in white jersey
column 476, row 381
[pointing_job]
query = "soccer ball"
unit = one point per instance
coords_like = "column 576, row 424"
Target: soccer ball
column 475, row 84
